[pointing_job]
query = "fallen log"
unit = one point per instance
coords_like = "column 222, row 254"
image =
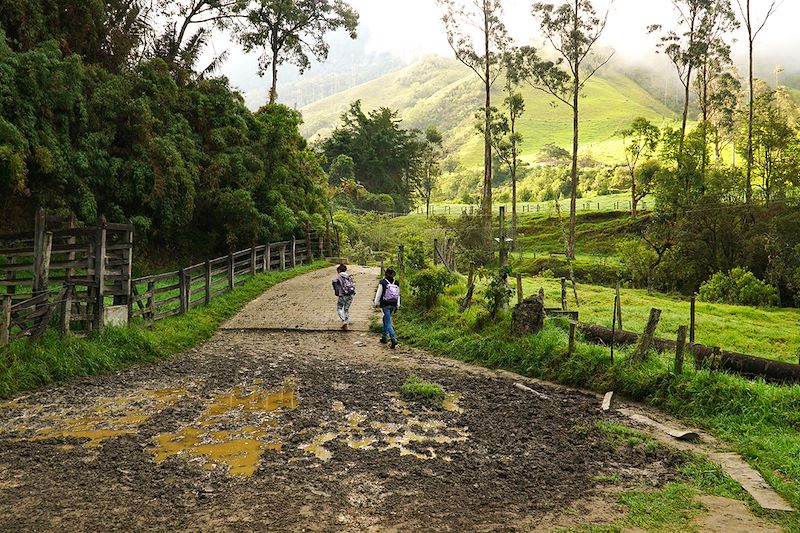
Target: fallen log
column 704, row 356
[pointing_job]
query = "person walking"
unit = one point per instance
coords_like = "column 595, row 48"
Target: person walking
column 387, row 297
column 344, row 288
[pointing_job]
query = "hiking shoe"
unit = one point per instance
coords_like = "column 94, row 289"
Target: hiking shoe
column 394, row 344
column 383, row 340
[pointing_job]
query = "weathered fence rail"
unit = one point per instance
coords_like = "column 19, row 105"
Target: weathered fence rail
column 83, row 275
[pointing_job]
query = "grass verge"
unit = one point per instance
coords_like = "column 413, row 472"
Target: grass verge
column 760, row 421
column 25, row 366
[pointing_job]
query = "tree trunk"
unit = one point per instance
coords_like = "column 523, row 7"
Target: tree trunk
column 513, row 186
column 428, row 205
column 573, row 200
column 273, row 91
column 487, row 137
column 634, row 201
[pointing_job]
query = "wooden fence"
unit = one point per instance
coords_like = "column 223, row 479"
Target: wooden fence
column 174, row 293
column 83, row 275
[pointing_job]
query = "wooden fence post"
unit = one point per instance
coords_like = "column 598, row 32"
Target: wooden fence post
column 66, row 310
column 309, row 249
column 691, row 319
column 283, row 258
column 563, row 294
column 321, row 247
column 329, row 239
column 646, row 340
column 294, row 252
column 5, row 319
column 231, row 272
column 253, row 261
column 618, row 310
column 519, row 288
column 208, row 282
column 679, row 348
column 268, row 258
column 151, row 301
column 100, row 273
column 184, row 291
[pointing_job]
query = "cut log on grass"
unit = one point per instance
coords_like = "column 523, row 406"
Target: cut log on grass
column 739, row 363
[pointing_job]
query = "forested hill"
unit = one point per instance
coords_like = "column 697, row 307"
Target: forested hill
column 441, row 92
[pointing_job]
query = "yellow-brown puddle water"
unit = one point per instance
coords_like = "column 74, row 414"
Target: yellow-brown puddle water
column 109, row 417
column 239, row 449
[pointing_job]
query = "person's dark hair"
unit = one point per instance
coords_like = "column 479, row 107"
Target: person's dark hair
column 341, row 268
column 390, row 273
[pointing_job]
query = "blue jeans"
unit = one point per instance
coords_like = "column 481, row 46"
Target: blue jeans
column 387, row 322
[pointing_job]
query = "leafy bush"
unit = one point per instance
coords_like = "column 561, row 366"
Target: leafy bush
column 739, row 286
column 497, row 293
column 416, row 256
column 428, row 284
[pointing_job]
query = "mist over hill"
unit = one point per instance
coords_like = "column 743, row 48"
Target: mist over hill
column 441, row 92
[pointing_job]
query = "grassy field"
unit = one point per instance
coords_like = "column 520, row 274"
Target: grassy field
column 24, row 366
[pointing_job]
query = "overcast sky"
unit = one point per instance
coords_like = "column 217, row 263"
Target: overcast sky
column 413, row 28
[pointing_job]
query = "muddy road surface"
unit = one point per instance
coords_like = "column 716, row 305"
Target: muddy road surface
column 261, row 429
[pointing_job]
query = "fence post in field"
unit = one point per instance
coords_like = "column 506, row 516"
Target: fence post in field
column 268, row 258
column 38, row 249
column 151, row 301
column 283, row 258
column 253, row 261
column 329, row 239
column 519, row 288
column 309, row 249
column 321, row 247
column 208, row 282
column 231, row 272
column 679, row 348
column 100, row 273
column 42, row 264
column 66, row 310
column 619, row 308
column 563, row 294
column 294, row 252
column 184, row 291
column 5, row 319
column 646, row 340
column 691, row 319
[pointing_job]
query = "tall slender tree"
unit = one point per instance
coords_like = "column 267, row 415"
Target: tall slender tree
column 640, row 141
column 572, row 29
column 700, row 22
column 753, row 28
column 478, row 37
column 430, row 165
column 293, row 31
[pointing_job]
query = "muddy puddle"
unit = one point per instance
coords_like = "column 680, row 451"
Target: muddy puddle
column 236, row 427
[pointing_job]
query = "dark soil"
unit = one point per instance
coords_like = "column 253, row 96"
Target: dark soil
column 507, row 461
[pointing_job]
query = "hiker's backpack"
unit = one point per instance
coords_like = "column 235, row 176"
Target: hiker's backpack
column 392, row 293
column 348, row 285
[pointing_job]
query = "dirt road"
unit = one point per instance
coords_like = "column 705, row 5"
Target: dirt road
column 262, row 430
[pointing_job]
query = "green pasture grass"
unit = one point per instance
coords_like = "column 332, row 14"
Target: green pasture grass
column 25, row 366
column 417, row 389
column 760, row 421
column 768, row 332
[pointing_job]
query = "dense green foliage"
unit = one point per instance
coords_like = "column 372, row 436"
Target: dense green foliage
column 415, row 388
column 185, row 160
column 25, row 366
column 428, row 284
column 386, row 158
column 739, row 286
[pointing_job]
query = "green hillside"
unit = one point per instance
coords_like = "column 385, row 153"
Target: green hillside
column 443, row 93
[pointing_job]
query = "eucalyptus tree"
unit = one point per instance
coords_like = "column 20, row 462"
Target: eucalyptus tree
column 431, row 157
column 293, row 31
column 753, row 28
column 640, row 141
column 700, row 25
column 478, row 37
column 572, row 28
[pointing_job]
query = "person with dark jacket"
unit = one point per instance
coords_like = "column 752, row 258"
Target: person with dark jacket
column 387, row 297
